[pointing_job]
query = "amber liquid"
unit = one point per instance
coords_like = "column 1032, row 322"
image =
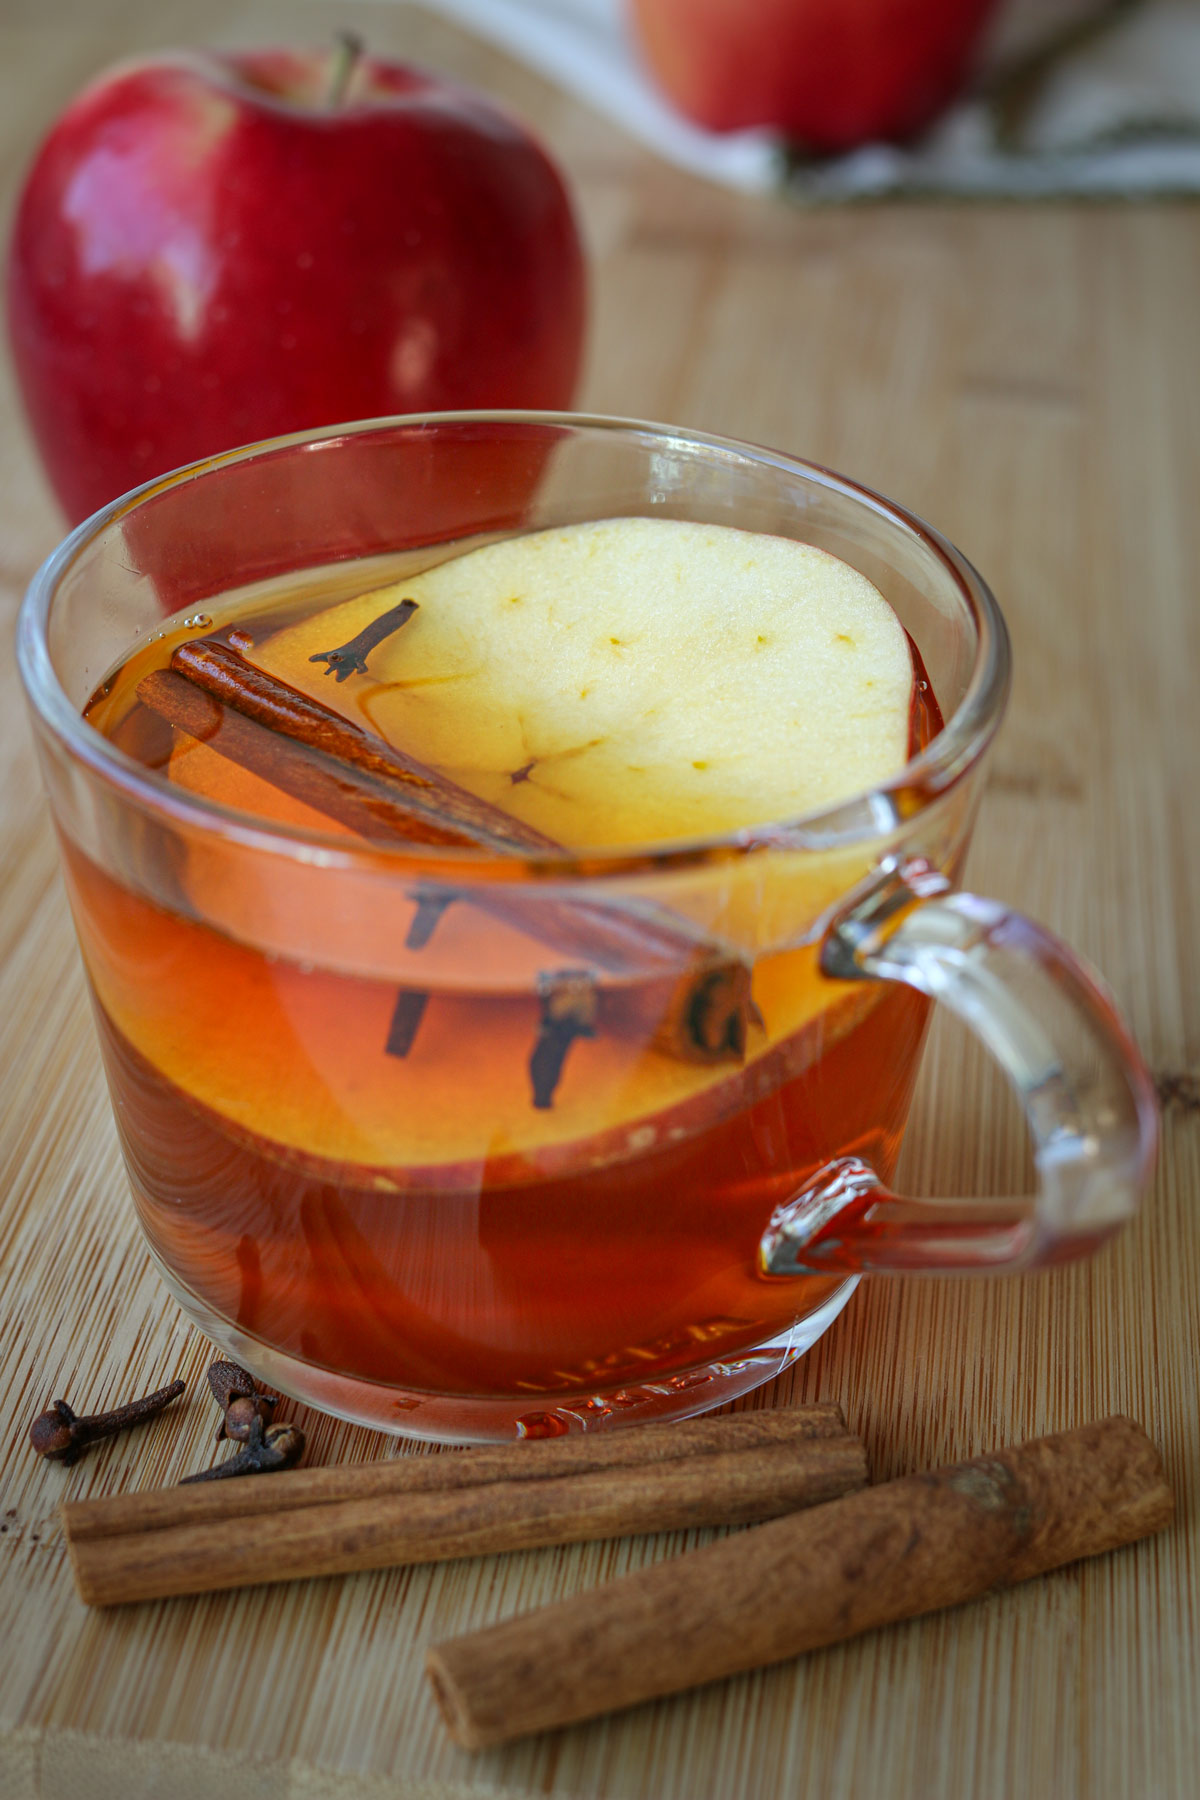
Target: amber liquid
column 415, row 1222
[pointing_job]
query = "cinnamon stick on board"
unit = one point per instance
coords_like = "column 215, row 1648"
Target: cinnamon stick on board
column 887, row 1553
column 531, row 1459
column 738, row 1477
column 319, row 756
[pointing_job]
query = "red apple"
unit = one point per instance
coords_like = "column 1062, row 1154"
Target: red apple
column 827, row 74
column 212, row 249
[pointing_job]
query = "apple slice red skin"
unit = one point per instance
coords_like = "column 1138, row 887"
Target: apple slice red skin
column 828, row 74
column 205, row 253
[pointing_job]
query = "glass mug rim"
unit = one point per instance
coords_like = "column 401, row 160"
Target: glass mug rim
column 856, row 819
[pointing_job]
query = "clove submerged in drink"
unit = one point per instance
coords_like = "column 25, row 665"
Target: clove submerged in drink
column 471, row 1158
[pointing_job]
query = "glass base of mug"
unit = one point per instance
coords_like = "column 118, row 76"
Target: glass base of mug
column 488, row 1418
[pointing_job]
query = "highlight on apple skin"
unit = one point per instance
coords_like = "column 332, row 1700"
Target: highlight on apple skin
column 211, row 249
column 827, row 74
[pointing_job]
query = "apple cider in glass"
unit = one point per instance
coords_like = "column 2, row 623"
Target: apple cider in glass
column 493, row 1144
column 513, row 855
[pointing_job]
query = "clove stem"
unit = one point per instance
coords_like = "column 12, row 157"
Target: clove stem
column 569, row 1007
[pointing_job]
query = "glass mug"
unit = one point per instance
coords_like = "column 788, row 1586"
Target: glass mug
column 323, row 1049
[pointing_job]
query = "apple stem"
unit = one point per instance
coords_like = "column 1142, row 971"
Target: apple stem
column 348, row 49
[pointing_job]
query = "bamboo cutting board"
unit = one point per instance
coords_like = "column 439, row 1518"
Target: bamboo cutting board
column 1027, row 379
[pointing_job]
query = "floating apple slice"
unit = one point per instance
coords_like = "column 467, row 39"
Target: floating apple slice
column 631, row 681
column 609, row 683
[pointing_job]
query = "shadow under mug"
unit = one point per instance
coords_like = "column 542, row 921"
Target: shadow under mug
column 405, row 1233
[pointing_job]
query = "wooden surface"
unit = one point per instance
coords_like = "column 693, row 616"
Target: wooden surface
column 1028, row 380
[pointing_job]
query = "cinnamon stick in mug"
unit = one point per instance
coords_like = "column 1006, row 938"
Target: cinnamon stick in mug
column 886, row 1553
column 318, row 756
column 434, row 809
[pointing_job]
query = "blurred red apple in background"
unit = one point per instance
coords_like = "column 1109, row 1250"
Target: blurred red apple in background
column 212, row 249
column 827, row 74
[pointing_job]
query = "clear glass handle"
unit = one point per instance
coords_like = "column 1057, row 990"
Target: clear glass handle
column 1053, row 1029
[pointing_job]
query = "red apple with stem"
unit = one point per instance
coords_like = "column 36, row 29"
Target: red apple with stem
column 212, row 249
column 827, row 74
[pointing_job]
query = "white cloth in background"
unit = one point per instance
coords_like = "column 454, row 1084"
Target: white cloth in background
column 1116, row 113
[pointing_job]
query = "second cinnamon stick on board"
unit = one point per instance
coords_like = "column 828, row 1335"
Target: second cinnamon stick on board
column 886, row 1553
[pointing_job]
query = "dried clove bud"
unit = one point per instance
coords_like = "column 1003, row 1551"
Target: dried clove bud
column 236, row 1393
column 351, row 659
column 60, row 1434
column 266, row 1448
column 569, row 1004
column 407, row 1014
column 431, row 904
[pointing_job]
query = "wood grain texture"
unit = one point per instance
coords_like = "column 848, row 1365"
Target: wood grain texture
column 1027, row 378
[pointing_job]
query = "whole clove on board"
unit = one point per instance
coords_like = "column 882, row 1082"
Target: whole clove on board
column 62, row 1435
